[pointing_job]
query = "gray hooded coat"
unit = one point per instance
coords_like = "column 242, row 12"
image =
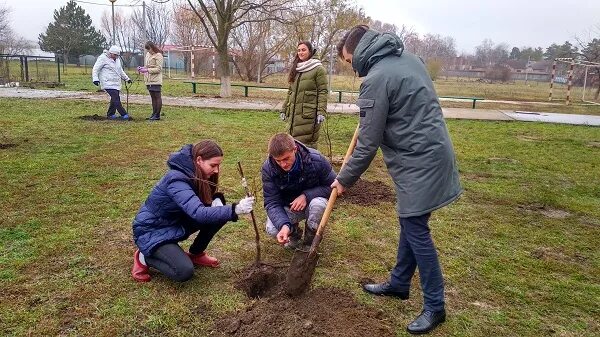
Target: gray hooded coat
column 400, row 112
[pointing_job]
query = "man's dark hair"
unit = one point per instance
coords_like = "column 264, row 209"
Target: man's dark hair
column 351, row 39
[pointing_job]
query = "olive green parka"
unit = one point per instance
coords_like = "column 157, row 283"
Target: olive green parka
column 306, row 98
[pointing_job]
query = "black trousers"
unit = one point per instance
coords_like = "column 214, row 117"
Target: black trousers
column 173, row 262
column 115, row 103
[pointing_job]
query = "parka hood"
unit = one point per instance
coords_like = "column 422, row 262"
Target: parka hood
column 183, row 161
column 372, row 47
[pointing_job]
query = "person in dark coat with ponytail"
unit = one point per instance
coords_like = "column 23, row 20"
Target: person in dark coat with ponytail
column 185, row 201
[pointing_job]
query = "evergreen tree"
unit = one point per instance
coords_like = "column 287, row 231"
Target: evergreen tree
column 515, row 54
column 71, row 33
column 564, row 50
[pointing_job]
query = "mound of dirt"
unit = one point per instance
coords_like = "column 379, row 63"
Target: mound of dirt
column 6, row 145
column 368, row 193
column 320, row 312
column 97, row 118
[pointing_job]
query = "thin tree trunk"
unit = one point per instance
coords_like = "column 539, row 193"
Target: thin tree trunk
column 65, row 60
column 225, row 73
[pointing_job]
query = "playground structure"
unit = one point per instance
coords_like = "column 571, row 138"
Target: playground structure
column 185, row 62
column 571, row 63
column 29, row 70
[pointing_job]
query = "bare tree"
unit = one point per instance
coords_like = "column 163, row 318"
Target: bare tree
column 434, row 46
column 127, row 35
column 220, row 17
column 590, row 51
column 322, row 22
column 187, row 30
column 155, row 26
column 256, row 44
column 11, row 43
column 488, row 54
column 5, row 29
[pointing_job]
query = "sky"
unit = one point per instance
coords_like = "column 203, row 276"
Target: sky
column 535, row 23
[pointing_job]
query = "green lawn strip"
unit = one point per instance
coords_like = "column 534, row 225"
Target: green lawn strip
column 79, row 79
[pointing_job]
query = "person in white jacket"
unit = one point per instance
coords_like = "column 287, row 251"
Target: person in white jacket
column 108, row 73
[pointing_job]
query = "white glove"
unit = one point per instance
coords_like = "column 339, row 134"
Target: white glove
column 320, row 119
column 216, row 202
column 282, row 116
column 244, row 206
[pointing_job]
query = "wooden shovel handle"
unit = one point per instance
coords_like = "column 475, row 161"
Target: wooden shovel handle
column 334, row 194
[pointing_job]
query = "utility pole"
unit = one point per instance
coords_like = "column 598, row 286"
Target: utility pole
column 329, row 80
column 144, row 21
column 112, row 2
column 527, row 68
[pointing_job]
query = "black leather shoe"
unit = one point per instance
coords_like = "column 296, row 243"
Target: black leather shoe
column 384, row 289
column 427, row 321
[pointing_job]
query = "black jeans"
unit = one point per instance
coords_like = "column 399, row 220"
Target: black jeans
column 173, row 262
column 115, row 103
column 417, row 250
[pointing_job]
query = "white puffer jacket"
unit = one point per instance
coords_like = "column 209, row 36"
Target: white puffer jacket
column 109, row 72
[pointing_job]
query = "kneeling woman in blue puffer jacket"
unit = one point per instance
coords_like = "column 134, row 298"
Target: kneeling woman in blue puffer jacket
column 183, row 202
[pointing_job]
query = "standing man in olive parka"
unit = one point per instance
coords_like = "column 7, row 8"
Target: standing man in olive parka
column 400, row 113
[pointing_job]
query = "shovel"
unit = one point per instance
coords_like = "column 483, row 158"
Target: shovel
column 304, row 262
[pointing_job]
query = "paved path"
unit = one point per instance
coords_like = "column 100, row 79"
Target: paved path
column 257, row 104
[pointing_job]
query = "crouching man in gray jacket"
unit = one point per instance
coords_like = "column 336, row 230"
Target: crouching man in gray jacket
column 400, row 113
column 296, row 186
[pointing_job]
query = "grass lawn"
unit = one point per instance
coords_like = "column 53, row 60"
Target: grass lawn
column 519, row 250
column 80, row 79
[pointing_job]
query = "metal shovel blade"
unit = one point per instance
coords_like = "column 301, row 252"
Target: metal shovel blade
column 300, row 272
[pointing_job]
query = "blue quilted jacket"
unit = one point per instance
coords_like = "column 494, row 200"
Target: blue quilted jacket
column 280, row 188
column 173, row 210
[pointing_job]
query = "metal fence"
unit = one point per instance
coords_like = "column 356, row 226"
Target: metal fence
column 29, row 69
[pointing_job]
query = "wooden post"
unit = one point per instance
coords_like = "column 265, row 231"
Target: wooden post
column 552, row 79
column 568, row 101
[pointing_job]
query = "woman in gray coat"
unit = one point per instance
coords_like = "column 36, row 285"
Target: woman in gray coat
column 400, row 113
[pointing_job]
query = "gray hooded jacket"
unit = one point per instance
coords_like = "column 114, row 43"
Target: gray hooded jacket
column 400, row 112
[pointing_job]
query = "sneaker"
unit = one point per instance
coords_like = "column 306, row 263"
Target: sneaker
column 204, row 259
column 295, row 239
column 139, row 271
column 125, row 117
column 111, row 117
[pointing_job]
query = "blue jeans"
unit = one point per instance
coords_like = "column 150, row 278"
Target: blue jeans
column 115, row 103
column 416, row 249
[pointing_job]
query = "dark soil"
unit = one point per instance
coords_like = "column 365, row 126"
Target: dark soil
column 6, row 145
column 368, row 193
column 259, row 281
column 320, row 312
column 97, row 118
